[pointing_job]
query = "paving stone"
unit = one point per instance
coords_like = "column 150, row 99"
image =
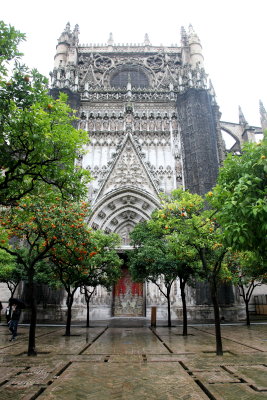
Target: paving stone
column 135, row 363
column 239, row 391
column 122, row 358
column 217, row 375
column 15, row 393
column 127, row 341
column 255, row 375
column 253, row 337
column 7, row 372
column 124, row 381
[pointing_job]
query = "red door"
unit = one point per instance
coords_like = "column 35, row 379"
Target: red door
column 128, row 297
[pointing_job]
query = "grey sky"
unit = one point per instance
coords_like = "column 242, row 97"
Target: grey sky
column 232, row 33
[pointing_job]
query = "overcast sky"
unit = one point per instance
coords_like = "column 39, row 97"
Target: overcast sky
column 232, row 32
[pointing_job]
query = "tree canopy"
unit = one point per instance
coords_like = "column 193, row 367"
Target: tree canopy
column 9, row 41
column 194, row 228
column 30, row 230
column 38, row 141
column 240, row 197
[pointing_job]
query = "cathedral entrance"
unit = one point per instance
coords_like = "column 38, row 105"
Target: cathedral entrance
column 128, row 300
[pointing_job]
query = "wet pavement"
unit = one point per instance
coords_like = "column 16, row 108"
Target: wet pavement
column 128, row 362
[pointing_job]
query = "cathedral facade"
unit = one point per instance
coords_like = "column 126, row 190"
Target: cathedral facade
column 153, row 126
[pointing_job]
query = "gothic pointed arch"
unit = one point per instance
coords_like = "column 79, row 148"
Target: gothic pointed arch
column 136, row 74
column 120, row 210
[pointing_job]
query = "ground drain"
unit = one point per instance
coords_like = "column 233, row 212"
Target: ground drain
column 205, row 390
column 256, row 389
column 180, row 334
column 40, row 391
column 63, row 369
column 164, row 344
column 167, row 347
column 98, row 336
column 198, row 382
column 184, row 366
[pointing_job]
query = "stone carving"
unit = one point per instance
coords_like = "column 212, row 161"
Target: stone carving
column 125, row 234
column 103, row 62
column 128, row 171
column 128, row 200
column 145, row 205
column 98, row 123
column 83, row 124
column 113, row 123
column 128, row 214
column 111, row 206
column 102, row 214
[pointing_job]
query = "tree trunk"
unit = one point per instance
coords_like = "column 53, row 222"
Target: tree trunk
column 246, row 297
column 31, row 343
column 87, row 312
column 182, row 289
column 169, row 306
column 69, row 305
column 247, row 312
column 219, row 348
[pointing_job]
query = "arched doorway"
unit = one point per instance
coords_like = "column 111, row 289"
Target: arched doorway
column 128, row 296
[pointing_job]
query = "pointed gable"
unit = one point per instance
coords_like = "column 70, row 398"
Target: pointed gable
column 128, row 169
column 90, row 76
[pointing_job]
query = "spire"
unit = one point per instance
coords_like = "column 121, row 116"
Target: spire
column 212, row 93
column 67, row 28
column 193, row 37
column 211, row 89
column 129, row 86
column 242, row 120
column 263, row 115
column 184, row 37
column 110, row 39
column 146, row 40
column 68, row 37
column 75, row 35
column 65, row 35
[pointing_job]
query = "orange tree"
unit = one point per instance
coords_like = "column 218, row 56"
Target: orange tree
column 10, row 272
column 84, row 258
column 240, row 197
column 102, row 266
column 192, row 227
column 248, row 271
column 88, row 292
column 28, row 233
column 38, row 141
column 9, row 41
column 153, row 259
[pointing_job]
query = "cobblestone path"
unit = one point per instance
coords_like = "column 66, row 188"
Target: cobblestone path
column 135, row 363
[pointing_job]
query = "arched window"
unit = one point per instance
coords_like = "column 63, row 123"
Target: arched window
column 129, row 73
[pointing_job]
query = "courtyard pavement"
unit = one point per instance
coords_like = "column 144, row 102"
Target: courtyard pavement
column 135, row 362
